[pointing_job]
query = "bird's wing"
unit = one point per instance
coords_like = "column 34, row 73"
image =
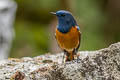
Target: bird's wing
column 78, row 28
column 79, row 33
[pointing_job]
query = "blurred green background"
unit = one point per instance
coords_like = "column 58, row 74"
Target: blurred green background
column 99, row 22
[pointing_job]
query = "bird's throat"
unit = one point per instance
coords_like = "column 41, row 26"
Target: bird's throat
column 64, row 28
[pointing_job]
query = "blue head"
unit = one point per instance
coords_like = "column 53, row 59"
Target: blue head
column 65, row 21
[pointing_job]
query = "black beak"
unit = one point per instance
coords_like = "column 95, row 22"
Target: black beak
column 54, row 13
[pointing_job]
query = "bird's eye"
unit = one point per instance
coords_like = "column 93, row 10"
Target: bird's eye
column 62, row 15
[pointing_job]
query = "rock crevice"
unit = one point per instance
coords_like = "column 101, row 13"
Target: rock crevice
column 102, row 64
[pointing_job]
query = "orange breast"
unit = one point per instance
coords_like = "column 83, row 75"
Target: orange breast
column 69, row 40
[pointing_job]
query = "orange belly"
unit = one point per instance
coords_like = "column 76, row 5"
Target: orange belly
column 68, row 41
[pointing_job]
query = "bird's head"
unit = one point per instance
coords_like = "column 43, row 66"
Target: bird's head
column 65, row 20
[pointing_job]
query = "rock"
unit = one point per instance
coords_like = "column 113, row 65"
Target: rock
column 102, row 64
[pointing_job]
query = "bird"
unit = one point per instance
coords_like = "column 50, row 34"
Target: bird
column 67, row 34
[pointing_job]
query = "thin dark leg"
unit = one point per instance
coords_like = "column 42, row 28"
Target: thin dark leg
column 67, row 56
column 75, row 53
column 65, row 53
column 78, row 58
column 63, row 58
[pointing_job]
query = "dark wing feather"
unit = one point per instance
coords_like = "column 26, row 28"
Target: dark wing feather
column 79, row 41
column 79, row 37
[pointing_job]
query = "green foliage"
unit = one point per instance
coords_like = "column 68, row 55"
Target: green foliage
column 92, row 19
column 31, row 39
column 33, row 18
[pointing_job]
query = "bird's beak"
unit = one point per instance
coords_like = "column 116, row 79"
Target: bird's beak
column 54, row 13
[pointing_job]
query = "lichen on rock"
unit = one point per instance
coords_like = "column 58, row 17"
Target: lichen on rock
column 102, row 64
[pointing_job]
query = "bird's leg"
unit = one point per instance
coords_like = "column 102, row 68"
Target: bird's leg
column 65, row 53
column 76, row 55
column 63, row 58
column 78, row 58
column 67, row 56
